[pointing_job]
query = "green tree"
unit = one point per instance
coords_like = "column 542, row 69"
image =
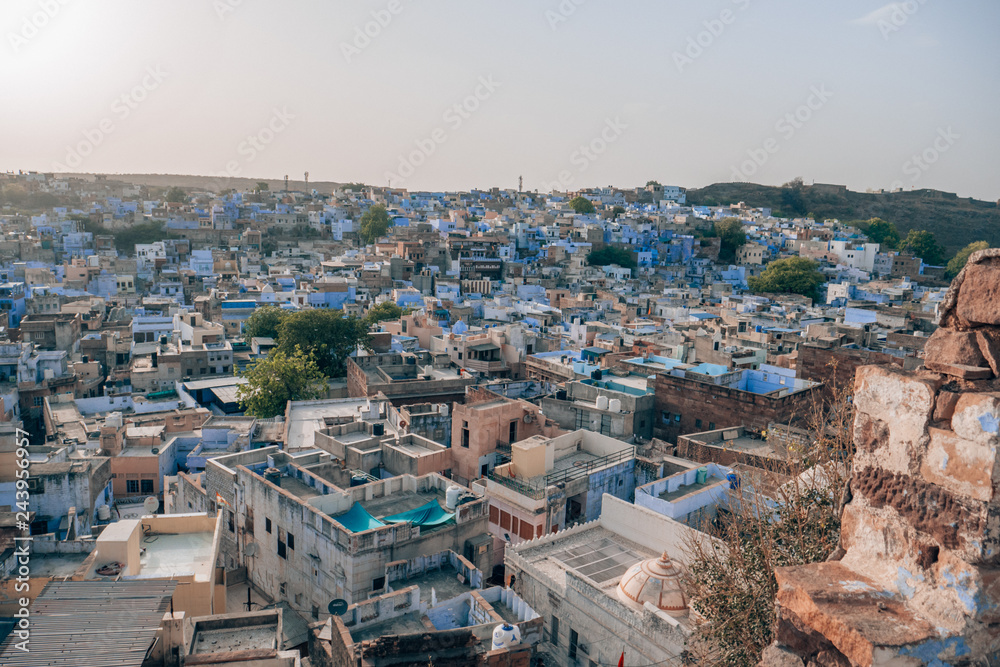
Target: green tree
column 617, row 211
column 262, row 186
column 653, row 183
column 730, row 231
column 879, row 231
column 176, row 196
column 792, row 275
column 326, row 335
column 277, row 379
column 612, row 255
column 958, row 262
column 792, row 199
column 264, row 322
column 924, row 245
column 374, row 224
column 386, row 311
column 582, row 205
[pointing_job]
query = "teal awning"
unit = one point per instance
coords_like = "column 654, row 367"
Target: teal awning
column 358, row 520
column 430, row 514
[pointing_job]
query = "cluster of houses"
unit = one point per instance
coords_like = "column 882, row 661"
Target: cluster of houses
column 513, row 470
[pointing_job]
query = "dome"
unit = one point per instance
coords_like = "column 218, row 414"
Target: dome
column 656, row 581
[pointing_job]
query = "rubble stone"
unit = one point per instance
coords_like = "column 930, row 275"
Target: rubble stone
column 953, row 347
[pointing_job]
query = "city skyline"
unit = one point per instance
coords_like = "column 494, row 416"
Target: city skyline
column 566, row 94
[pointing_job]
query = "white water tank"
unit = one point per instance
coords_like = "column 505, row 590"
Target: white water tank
column 615, row 405
column 103, row 513
column 506, row 635
column 451, row 497
column 113, row 420
column 602, row 402
column 444, row 410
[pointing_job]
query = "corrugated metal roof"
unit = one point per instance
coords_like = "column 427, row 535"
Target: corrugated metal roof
column 91, row 624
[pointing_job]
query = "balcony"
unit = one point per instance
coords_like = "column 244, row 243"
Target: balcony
column 485, row 366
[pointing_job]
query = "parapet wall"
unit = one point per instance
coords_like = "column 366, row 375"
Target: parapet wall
column 917, row 578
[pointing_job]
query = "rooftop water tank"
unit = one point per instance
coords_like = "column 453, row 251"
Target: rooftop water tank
column 602, row 402
column 505, row 636
column 451, row 497
column 103, row 513
column 378, row 429
column 358, row 480
column 615, row 405
column 113, row 420
column 273, row 475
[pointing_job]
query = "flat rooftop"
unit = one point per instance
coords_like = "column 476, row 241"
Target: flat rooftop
column 444, row 582
column 401, row 625
column 307, row 417
column 398, row 503
column 670, row 496
column 298, row 488
column 174, row 555
column 226, row 640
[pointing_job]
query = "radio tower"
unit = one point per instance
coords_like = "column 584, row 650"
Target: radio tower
column 307, row 181
column 520, row 184
column 286, row 182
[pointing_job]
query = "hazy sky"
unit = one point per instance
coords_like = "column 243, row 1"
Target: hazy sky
column 568, row 94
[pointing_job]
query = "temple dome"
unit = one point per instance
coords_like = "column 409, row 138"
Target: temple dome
column 656, row 581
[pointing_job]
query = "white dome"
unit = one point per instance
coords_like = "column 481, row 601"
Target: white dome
column 656, row 581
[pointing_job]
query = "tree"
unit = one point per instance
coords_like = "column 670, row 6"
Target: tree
column 326, row 335
column 277, row 379
column 176, row 196
column 582, row 206
column 617, row 211
column 374, row 224
column 264, row 322
column 879, row 231
column 730, row 577
column 792, row 200
column 730, row 231
column 792, row 275
column 959, row 261
column 654, row 184
column 611, row 255
column 262, row 186
column 924, row 245
column 386, row 311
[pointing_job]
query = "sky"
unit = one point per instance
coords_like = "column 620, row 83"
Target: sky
column 461, row 94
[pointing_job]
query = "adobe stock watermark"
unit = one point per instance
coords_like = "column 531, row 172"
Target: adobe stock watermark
column 587, row 154
column 365, row 35
column 225, row 7
column 562, row 13
column 698, row 44
column 920, row 163
column 256, row 143
column 787, row 126
column 121, row 108
column 32, row 24
column 894, row 16
column 454, row 117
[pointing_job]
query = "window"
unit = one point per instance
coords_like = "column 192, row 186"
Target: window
column 677, row 417
column 711, row 426
column 249, row 521
column 666, row 416
column 267, row 524
column 282, row 553
column 38, row 400
column 378, row 584
column 554, row 635
column 146, row 486
column 573, row 640
column 132, row 486
column 291, row 541
column 232, row 521
column 465, row 438
column 697, row 423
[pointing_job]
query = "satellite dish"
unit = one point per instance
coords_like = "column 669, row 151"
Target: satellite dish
column 151, row 504
column 250, row 550
column 337, row 607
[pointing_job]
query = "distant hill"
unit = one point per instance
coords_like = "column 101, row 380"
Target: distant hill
column 955, row 222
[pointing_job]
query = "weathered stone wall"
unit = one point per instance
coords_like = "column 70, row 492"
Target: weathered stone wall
column 917, row 578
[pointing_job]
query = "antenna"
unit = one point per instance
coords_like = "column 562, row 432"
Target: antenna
column 250, row 550
column 307, row 180
column 337, row 607
column 520, row 184
column 151, row 504
column 286, row 182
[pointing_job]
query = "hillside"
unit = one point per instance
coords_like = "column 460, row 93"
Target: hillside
column 954, row 221
column 211, row 182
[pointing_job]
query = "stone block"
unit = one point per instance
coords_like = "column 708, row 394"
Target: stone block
column 989, row 346
column 894, row 410
column 854, row 613
column 979, row 297
column 946, row 346
column 977, row 418
column 944, row 407
column 964, row 467
column 960, row 371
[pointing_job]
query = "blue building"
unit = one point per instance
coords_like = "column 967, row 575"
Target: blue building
column 12, row 303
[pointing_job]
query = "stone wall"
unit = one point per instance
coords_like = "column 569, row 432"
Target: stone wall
column 917, row 578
